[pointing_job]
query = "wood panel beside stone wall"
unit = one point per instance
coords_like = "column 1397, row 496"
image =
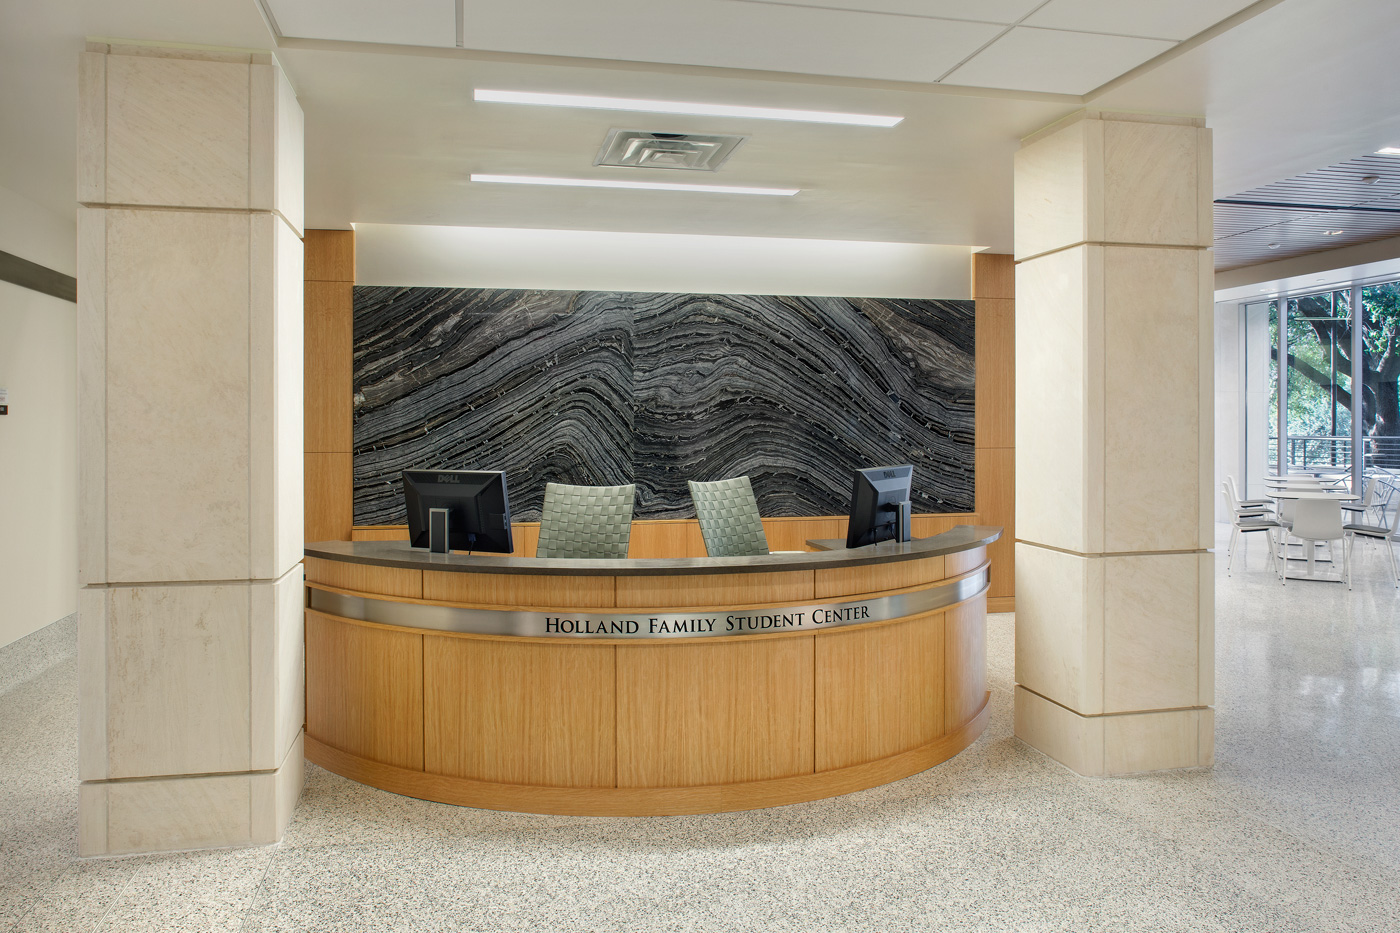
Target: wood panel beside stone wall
column 994, row 290
column 330, row 319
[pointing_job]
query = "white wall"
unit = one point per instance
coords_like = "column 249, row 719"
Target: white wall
column 1229, row 402
column 39, row 437
column 484, row 257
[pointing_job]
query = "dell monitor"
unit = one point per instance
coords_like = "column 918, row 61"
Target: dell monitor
column 879, row 505
column 458, row 510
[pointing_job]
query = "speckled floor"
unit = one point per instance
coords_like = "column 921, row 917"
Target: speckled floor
column 1297, row 828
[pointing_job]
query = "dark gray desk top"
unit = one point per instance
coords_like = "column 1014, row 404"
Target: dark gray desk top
column 399, row 554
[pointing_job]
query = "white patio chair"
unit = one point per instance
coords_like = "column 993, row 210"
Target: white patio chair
column 1243, row 525
column 1384, row 532
column 1356, row 511
column 1244, row 503
column 1315, row 521
column 1240, row 510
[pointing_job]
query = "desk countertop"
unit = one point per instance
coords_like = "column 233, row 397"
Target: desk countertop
column 399, row 554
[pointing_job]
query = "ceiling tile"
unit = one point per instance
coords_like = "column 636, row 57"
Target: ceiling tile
column 405, row 22
column 762, row 36
column 1057, row 62
column 1162, row 19
column 983, row 11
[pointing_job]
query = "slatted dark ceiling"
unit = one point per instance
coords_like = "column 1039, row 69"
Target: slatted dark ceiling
column 1301, row 214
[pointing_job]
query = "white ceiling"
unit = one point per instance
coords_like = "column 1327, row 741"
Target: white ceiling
column 1028, row 59
column 393, row 133
column 1059, row 46
column 395, row 137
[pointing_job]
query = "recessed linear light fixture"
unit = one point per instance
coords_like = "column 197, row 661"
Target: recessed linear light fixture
column 1389, row 150
column 645, row 185
column 690, row 108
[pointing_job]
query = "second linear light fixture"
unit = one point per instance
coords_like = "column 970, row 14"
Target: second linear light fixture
column 672, row 107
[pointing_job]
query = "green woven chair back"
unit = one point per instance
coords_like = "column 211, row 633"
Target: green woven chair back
column 586, row 521
column 729, row 520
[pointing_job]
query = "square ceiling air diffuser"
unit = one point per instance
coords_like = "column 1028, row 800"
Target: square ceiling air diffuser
column 640, row 149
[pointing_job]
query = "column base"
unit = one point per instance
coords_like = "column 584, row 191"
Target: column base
column 1117, row 743
column 170, row 814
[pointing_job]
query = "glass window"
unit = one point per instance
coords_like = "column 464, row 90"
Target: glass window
column 1312, row 335
column 1380, row 409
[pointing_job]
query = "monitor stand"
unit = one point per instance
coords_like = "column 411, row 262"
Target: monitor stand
column 437, row 531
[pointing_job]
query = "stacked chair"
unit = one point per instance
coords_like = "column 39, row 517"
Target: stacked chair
column 1247, row 519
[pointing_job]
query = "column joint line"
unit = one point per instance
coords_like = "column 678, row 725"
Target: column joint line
column 1106, row 715
column 1074, row 553
column 1125, row 245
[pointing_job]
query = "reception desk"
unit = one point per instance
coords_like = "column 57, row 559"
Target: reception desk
column 641, row 687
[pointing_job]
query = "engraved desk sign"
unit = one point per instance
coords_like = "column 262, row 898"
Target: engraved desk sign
column 711, row 623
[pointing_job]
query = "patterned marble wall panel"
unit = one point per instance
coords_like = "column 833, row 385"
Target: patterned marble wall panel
column 610, row 387
column 796, row 392
column 536, row 383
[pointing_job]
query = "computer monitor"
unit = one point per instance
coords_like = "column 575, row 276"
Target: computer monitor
column 876, row 497
column 478, row 509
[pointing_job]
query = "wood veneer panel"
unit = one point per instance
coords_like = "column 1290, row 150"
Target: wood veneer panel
column 874, row 578
column 379, row 533
column 523, row 534
column 993, row 275
column 364, row 690
column 996, row 502
column 963, row 561
column 526, row 537
column 927, row 525
column 519, row 713
column 660, row 539
column 520, row 590
column 645, row 801
column 879, row 691
column 699, row 714
column 328, row 389
column 965, row 647
column 1001, row 604
column 996, row 373
column 719, row 589
column 792, row 534
column 327, row 503
column 330, row 255
column 365, row 578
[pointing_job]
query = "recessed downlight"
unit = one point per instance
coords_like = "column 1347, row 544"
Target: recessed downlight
column 1274, row 245
column 690, row 108
column 1332, row 232
column 642, row 185
column 1389, row 150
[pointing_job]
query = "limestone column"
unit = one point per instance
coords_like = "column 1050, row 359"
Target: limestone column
column 190, row 358
column 1114, row 594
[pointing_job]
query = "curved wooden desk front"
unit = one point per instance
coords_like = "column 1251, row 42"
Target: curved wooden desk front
column 640, row 687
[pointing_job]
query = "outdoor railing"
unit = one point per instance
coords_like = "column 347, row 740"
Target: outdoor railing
column 1323, row 452
column 1312, row 452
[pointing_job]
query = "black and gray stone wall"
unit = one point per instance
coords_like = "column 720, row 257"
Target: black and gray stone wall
column 615, row 387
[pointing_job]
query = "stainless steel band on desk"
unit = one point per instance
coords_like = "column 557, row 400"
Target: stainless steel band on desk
column 644, row 624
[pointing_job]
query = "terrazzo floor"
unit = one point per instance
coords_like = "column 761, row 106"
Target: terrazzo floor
column 1294, row 829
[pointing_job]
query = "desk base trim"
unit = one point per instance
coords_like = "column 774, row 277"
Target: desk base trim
column 647, row 801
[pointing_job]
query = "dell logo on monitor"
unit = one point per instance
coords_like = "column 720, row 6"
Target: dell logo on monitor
column 448, row 478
